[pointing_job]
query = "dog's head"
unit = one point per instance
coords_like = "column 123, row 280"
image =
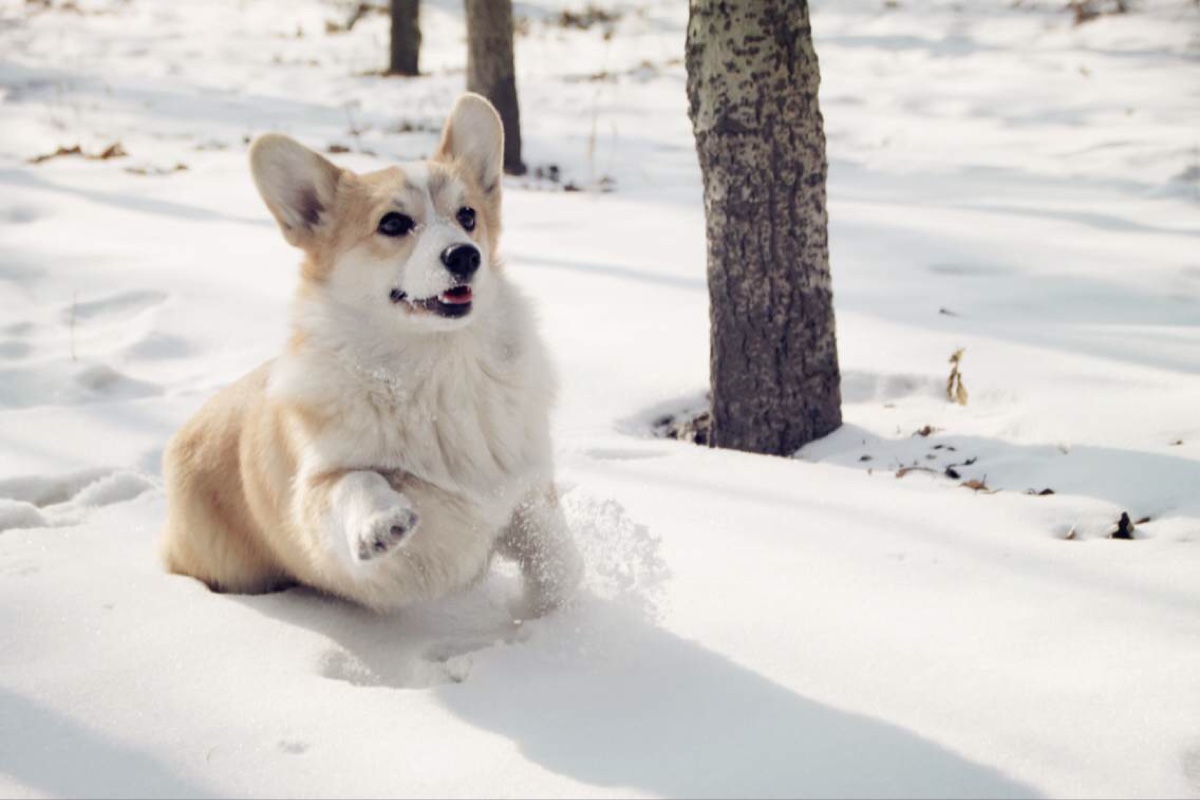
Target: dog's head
column 407, row 247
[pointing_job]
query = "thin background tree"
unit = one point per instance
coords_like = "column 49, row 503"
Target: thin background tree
column 752, row 97
column 406, row 38
column 490, row 70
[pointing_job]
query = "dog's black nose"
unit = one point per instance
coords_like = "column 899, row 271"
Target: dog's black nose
column 461, row 259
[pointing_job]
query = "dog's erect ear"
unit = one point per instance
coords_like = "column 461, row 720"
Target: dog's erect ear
column 474, row 136
column 298, row 185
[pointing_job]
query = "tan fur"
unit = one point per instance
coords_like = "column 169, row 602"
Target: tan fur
column 221, row 502
column 265, row 485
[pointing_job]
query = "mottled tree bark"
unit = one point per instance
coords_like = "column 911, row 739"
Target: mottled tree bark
column 490, row 70
column 752, row 92
column 406, row 37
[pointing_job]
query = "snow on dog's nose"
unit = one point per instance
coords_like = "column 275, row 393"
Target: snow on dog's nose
column 462, row 260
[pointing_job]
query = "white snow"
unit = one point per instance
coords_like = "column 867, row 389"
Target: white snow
column 1000, row 180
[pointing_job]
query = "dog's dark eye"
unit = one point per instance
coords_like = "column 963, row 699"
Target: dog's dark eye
column 466, row 218
column 396, row 224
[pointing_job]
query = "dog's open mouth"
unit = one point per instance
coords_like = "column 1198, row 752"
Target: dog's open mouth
column 455, row 302
column 459, row 295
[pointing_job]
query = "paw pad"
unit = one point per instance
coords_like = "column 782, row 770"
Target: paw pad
column 386, row 532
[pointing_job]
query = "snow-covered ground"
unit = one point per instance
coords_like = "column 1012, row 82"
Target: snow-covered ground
column 1001, row 180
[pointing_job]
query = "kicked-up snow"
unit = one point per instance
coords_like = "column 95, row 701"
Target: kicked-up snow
column 901, row 610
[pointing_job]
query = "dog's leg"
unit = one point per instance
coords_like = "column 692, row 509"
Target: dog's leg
column 537, row 538
column 363, row 508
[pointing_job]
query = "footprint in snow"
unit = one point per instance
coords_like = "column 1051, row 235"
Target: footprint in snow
column 22, row 214
column 12, row 340
column 1191, row 767
column 416, row 673
column 122, row 306
column 68, row 383
column 101, row 379
column 14, row 349
column 339, row 665
column 441, row 642
column 156, row 346
column 54, row 501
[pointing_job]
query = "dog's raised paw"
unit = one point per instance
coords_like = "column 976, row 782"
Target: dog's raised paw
column 385, row 532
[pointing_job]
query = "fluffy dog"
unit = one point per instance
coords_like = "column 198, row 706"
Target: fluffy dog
column 402, row 437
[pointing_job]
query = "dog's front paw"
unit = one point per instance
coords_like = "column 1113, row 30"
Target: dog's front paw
column 386, row 531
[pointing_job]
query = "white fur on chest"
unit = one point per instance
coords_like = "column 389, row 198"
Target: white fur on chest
column 465, row 425
column 465, row 411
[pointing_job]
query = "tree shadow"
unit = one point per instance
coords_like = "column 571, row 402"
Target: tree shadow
column 652, row 711
column 48, row 752
column 599, row 694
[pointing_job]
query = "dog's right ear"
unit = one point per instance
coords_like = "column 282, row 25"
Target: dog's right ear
column 298, row 186
column 474, row 136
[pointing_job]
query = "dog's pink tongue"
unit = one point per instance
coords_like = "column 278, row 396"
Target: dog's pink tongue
column 457, row 296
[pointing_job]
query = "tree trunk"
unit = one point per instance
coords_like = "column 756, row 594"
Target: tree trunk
column 490, row 70
column 406, row 37
column 752, row 96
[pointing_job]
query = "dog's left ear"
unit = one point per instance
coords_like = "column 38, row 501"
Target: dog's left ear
column 474, row 136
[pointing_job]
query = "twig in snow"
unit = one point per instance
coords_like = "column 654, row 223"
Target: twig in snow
column 1124, row 529
column 955, row 390
column 354, row 129
column 74, row 303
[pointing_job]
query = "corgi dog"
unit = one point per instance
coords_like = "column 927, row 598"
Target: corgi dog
column 403, row 436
